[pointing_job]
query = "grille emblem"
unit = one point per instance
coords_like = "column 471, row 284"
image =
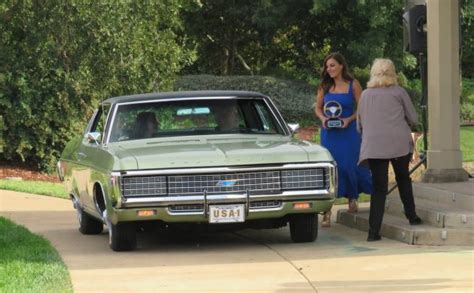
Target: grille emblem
column 226, row 183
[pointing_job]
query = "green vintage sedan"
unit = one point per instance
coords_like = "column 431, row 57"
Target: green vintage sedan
column 222, row 159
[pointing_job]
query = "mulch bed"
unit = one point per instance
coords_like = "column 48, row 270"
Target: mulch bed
column 25, row 173
column 307, row 133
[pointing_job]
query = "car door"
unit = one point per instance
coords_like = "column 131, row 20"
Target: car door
column 94, row 159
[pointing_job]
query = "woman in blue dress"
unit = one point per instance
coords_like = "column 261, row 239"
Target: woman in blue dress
column 337, row 98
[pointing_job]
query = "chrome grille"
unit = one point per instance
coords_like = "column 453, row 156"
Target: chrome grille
column 255, row 182
column 143, row 186
column 258, row 182
column 304, row 178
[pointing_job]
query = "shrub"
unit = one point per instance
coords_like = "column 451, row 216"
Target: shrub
column 467, row 100
column 58, row 59
column 362, row 75
column 294, row 99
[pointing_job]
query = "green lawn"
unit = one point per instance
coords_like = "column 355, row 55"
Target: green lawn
column 28, row 262
column 467, row 143
column 36, row 187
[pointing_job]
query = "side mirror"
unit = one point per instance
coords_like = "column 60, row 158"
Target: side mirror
column 93, row 137
column 294, row 127
column 60, row 171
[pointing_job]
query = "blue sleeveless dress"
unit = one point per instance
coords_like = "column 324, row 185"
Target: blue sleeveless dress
column 344, row 146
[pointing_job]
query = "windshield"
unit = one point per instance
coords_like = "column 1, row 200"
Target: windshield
column 193, row 117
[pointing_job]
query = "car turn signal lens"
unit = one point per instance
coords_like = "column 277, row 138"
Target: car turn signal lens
column 301, row 205
column 146, row 213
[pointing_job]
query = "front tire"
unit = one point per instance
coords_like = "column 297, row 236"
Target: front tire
column 304, row 227
column 87, row 224
column 122, row 236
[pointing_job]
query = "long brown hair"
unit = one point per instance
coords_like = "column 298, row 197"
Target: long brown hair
column 327, row 81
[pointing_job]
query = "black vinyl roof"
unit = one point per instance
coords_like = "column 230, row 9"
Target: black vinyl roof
column 184, row 94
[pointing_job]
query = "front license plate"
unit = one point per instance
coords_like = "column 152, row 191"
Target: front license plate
column 226, row 213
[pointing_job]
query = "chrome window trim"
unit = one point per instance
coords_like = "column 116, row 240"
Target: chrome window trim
column 278, row 117
column 109, row 125
column 107, row 122
column 89, row 124
column 100, row 110
column 185, row 99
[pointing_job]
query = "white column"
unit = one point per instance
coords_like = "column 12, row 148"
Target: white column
column 444, row 154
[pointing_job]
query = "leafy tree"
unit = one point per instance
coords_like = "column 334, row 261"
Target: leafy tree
column 467, row 38
column 221, row 30
column 59, row 58
column 291, row 37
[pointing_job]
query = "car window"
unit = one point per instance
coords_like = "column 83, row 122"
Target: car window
column 101, row 119
column 192, row 117
column 268, row 123
column 98, row 125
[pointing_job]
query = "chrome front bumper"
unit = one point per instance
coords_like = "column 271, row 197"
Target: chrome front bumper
column 225, row 198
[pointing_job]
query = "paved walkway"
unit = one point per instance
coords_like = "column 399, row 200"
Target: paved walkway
column 250, row 260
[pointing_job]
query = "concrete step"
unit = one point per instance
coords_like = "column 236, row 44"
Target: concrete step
column 459, row 195
column 396, row 228
column 433, row 214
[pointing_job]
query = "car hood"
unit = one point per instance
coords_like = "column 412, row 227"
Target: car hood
column 209, row 152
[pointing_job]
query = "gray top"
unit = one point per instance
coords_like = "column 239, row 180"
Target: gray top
column 383, row 117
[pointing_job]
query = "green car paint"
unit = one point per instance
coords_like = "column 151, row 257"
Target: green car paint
column 257, row 168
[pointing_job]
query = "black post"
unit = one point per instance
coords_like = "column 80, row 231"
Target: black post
column 424, row 103
column 424, row 120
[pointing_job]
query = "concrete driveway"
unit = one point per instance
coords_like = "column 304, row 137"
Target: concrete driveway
column 249, row 260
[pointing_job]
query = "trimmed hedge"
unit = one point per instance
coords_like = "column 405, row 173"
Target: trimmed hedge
column 294, row 99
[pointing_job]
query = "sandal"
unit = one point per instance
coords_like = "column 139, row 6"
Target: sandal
column 326, row 222
column 353, row 206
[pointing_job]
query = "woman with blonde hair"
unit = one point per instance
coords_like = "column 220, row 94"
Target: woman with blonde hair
column 384, row 116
